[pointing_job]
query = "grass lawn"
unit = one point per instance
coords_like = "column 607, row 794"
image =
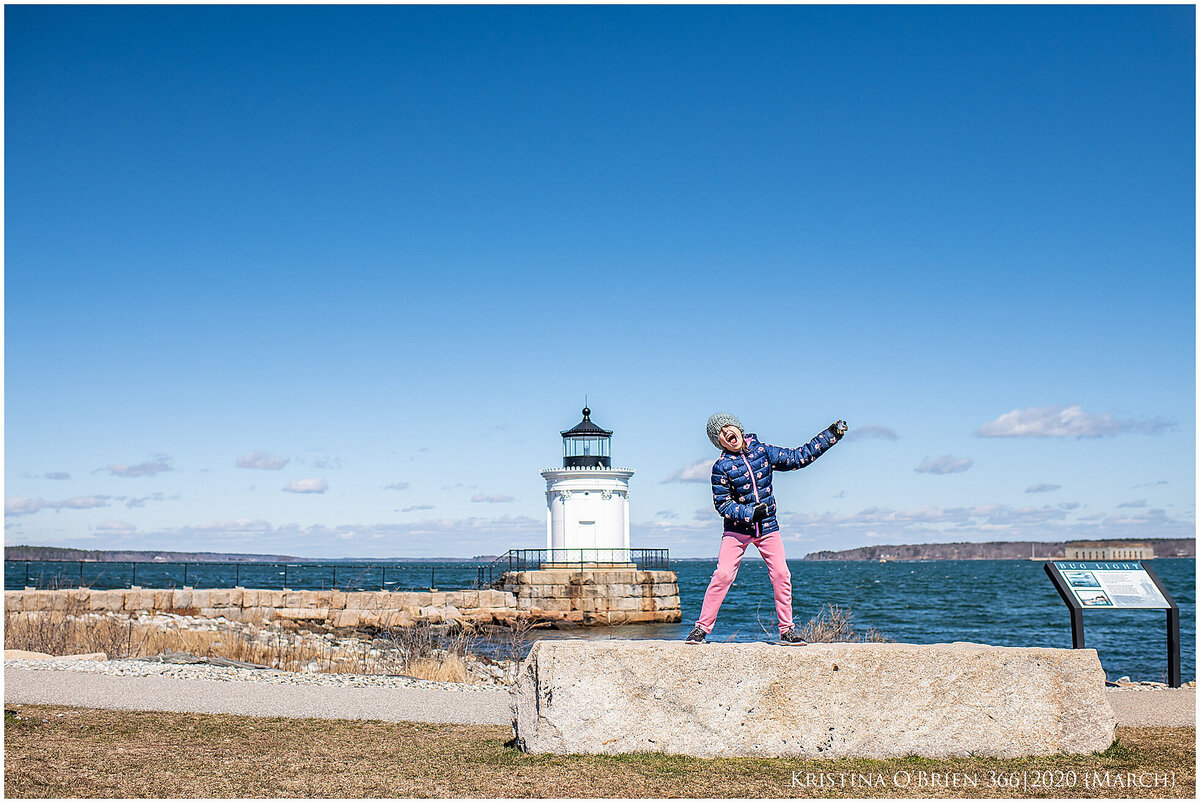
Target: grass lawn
column 54, row 751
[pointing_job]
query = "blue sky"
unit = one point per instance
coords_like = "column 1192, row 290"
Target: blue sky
column 378, row 255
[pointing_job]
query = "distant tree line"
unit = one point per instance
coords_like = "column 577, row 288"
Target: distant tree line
column 997, row 550
column 43, row 553
column 63, row 553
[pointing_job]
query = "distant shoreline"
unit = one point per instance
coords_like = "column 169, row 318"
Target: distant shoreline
column 997, row 550
column 959, row 550
column 52, row 553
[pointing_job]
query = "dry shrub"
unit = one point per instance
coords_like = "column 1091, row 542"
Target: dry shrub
column 69, row 632
column 514, row 641
column 421, row 651
column 835, row 623
column 449, row 669
column 118, row 636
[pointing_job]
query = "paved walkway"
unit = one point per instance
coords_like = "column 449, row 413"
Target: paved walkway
column 1170, row 707
column 93, row 690
column 1161, row 707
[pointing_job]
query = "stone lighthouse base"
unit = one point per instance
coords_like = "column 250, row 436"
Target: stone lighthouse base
column 604, row 594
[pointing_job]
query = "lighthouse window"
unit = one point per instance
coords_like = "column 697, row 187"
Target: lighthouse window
column 585, row 447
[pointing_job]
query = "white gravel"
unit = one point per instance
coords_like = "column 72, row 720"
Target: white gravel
column 141, row 686
column 127, row 668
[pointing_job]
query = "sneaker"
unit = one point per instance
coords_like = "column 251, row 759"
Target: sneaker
column 791, row 637
column 697, row 636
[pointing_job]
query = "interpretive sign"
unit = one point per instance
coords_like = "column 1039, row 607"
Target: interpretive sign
column 1120, row 584
column 1096, row 585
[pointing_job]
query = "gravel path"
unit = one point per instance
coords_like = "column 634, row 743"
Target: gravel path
column 142, row 686
column 1154, row 707
column 138, row 686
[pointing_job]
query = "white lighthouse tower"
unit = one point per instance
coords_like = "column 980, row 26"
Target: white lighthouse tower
column 587, row 501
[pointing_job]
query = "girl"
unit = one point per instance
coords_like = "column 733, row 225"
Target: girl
column 743, row 495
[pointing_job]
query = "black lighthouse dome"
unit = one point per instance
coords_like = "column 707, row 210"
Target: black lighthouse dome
column 585, row 445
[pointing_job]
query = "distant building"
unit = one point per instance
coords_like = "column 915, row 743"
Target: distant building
column 1108, row 550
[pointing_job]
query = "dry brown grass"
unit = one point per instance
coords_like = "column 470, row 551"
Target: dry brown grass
column 64, row 752
column 834, row 623
column 415, row 650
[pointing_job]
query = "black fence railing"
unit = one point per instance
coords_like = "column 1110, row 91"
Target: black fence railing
column 523, row 560
column 20, row 574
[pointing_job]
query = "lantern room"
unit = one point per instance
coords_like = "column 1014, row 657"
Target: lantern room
column 586, row 445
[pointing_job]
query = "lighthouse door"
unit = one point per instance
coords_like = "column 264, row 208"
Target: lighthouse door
column 587, row 540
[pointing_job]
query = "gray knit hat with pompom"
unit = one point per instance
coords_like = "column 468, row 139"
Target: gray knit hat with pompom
column 718, row 420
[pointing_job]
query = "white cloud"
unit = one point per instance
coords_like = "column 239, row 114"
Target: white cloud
column 396, row 486
column 666, row 514
column 462, row 537
column 494, row 498
column 330, row 462
column 802, row 532
column 24, row 506
column 316, row 485
column 412, row 508
column 140, row 501
column 868, row 431
column 57, row 475
column 1041, row 488
column 700, row 471
column 238, row 526
column 1064, row 422
column 232, row 527
column 146, row 469
column 262, row 460
column 114, row 526
column 1135, row 503
column 946, row 464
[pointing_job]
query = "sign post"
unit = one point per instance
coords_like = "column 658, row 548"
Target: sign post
column 1108, row 585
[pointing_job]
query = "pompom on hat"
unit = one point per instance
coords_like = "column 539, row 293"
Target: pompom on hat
column 718, row 420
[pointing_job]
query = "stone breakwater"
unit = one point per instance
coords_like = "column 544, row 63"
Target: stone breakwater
column 596, row 596
column 587, row 597
column 352, row 609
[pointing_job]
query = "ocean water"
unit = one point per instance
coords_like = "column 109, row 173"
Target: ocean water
column 1002, row 602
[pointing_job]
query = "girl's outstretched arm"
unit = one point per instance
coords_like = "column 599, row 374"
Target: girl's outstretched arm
column 785, row 459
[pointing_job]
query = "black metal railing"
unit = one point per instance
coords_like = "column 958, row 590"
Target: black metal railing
column 153, row 574
column 523, row 560
column 96, row 574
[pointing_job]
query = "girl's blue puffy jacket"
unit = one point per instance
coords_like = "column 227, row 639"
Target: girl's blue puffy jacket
column 741, row 480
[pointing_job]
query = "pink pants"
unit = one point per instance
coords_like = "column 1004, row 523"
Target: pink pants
column 733, row 546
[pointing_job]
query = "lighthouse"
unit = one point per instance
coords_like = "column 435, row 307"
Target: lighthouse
column 587, row 574
column 587, row 500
